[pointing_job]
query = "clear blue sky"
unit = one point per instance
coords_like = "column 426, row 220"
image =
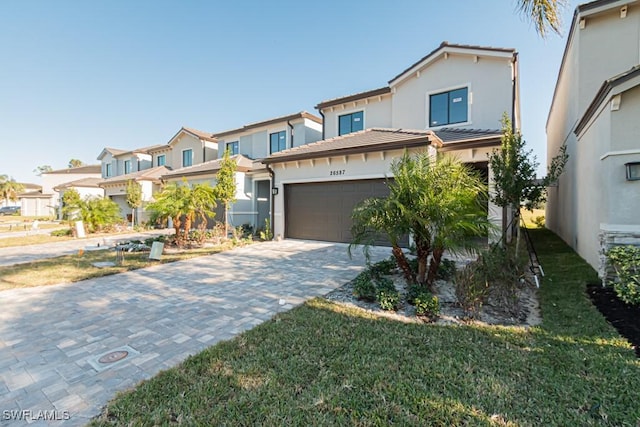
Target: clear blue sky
column 78, row 76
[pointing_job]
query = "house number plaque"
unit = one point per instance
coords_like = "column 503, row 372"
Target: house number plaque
column 337, row 172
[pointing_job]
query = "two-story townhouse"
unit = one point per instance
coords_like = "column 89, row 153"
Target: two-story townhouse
column 247, row 145
column 47, row 201
column 595, row 111
column 451, row 100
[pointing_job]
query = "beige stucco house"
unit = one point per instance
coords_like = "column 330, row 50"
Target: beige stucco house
column 46, row 202
column 595, row 111
column 451, row 100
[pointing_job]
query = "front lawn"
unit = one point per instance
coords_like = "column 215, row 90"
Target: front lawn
column 324, row 364
column 76, row 267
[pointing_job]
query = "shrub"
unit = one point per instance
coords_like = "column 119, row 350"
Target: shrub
column 413, row 291
column 384, row 267
column 625, row 261
column 364, row 287
column 539, row 221
column 388, row 299
column 266, row 233
column 471, row 288
column 427, row 305
column 62, row 233
column 446, row 269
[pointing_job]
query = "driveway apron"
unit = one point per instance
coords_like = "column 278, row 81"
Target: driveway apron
column 60, row 345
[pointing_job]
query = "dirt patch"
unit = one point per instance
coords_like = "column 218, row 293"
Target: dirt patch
column 526, row 311
column 622, row 316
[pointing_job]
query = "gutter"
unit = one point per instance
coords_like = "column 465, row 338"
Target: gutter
column 322, row 114
column 290, row 127
column 514, row 93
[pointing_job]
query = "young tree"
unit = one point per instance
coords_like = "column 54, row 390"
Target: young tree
column 514, row 173
column 71, row 205
column 134, row 198
column 99, row 213
column 226, row 185
column 9, row 189
column 42, row 169
column 75, row 163
column 437, row 200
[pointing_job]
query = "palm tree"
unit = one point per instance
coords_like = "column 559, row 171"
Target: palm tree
column 9, row 189
column 544, row 14
column 438, row 200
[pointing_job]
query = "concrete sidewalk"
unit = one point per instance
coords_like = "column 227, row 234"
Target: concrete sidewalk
column 52, row 337
column 21, row 254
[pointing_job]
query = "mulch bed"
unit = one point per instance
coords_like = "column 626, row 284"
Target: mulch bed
column 624, row 317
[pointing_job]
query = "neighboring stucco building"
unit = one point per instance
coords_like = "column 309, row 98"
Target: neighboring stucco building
column 595, row 111
column 47, row 201
column 452, row 100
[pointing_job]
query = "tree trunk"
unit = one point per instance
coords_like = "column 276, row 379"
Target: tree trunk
column 176, row 227
column 226, row 220
column 436, row 258
column 403, row 264
column 187, row 227
column 422, row 250
column 133, row 217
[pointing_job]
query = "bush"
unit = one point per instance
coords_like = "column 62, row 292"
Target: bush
column 413, row 291
column 446, row 269
column 364, row 287
column 384, row 267
column 471, row 288
column 388, row 299
column 625, row 261
column 539, row 221
column 427, row 305
column 62, row 233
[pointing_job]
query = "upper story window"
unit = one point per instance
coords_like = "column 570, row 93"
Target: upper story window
column 187, row 158
column 127, row 166
column 351, row 123
column 278, row 141
column 107, row 170
column 232, row 147
column 161, row 160
column 448, row 107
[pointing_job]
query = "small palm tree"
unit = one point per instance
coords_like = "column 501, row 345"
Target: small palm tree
column 9, row 189
column 544, row 14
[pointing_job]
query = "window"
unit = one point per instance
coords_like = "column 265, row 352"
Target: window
column 278, row 141
column 187, row 158
column 233, row 148
column 351, row 123
column 127, row 166
column 448, row 107
column 107, row 170
column 160, row 160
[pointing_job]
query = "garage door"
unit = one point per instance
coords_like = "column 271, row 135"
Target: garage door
column 322, row 210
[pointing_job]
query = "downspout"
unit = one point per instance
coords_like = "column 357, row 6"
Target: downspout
column 322, row 114
column 291, row 132
column 272, row 175
column 514, row 95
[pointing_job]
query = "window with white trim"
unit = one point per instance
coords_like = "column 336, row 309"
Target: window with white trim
column 161, row 160
column 277, row 141
column 232, row 147
column 127, row 166
column 107, row 169
column 187, row 158
column 349, row 123
column 449, row 107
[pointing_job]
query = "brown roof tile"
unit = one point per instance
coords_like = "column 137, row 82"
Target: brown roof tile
column 244, row 164
column 302, row 114
column 200, row 134
column 85, row 182
column 152, row 174
column 79, row 169
column 368, row 140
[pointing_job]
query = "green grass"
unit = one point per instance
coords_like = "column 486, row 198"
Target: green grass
column 73, row 268
column 323, row 364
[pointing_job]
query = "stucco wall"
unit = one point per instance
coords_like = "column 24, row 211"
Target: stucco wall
column 185, row 142
column 489, row 81
column 376, row 114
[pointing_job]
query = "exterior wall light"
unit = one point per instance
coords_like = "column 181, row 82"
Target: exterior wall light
column 274, row 190
column 633, row 171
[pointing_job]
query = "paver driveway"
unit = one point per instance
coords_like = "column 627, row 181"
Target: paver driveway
column 51, row 337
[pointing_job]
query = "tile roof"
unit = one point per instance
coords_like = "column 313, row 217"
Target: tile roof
column 353, row 97
column 84, row 182
column 152, row 174
column 79, row 169
column 301, row 114
column 374, row 139
column 207, row 136
column 211, row 166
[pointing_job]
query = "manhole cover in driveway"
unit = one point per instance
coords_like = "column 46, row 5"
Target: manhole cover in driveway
column 114, row 356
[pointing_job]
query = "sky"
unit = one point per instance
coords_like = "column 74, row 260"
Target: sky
column 78, row 76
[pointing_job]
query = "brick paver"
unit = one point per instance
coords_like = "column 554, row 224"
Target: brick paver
column 49, row 335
